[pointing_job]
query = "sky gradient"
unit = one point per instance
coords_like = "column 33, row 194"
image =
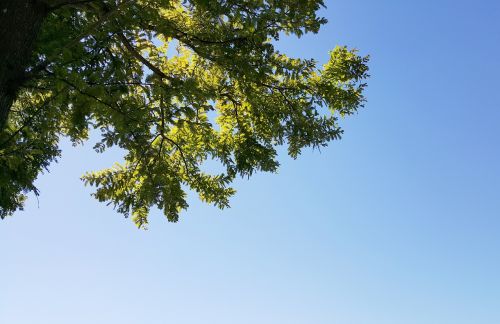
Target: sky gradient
column 398, row 222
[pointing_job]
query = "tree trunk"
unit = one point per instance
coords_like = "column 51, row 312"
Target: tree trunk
column 20, row 22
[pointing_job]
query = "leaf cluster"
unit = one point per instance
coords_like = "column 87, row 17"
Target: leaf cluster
column 149, row 74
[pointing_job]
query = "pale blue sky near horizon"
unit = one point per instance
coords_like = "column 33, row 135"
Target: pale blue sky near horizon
column 398, row 222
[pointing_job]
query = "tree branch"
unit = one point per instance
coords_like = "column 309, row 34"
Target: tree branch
column 141, row 58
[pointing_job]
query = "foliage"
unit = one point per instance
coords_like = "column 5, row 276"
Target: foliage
column 148, row 74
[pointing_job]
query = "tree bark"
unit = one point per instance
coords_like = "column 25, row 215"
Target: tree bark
column 20, row 22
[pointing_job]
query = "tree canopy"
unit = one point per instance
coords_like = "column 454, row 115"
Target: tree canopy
column 148, row 75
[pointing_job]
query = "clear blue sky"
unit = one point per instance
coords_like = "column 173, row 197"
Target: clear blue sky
column 397, row 223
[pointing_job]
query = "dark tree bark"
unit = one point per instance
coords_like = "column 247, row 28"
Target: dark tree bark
column 20, row 22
